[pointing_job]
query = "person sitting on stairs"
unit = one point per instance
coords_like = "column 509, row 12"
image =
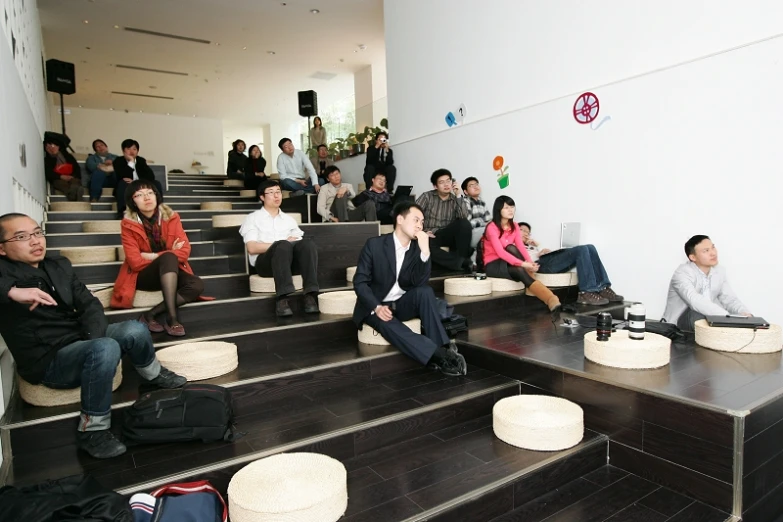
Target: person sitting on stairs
column 62, row 170
column 594, row 285
column 59, row 336
column 334, row 201
column 391, row 285
column 277, row 248
column 128, row 168
column 156, row 258
column 100, row 170
column 296, row 172
column 505, row 255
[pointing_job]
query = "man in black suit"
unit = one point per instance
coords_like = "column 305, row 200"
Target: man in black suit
column 129, row 167
column 380, row 158
column 391, row 287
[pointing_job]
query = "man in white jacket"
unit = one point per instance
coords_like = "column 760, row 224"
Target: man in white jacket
column 700, row 287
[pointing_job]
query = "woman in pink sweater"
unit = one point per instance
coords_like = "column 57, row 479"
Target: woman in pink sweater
column 505, row 255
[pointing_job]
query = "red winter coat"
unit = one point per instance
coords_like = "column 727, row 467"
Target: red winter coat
column 135, row 241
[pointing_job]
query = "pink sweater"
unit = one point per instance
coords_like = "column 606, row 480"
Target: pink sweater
column 495, row 247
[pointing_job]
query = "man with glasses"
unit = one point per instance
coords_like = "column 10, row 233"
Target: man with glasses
column 478, row 213
column 59, row 336
column 296, row 172
column 446, row 223
column 276, row 247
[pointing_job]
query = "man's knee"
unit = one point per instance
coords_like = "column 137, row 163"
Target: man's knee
column 307, row 245
column 130, row 331
column 423, row 293
column 105, row 354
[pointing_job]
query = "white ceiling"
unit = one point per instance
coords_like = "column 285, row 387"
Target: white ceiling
column 224, row 81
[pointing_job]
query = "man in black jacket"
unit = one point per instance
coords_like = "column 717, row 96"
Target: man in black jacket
column 129, row 167
column 391, row 287
column 380, row 159
column 58, row 334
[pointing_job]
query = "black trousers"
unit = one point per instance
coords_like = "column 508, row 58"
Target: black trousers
column 119, row 193
column 456, row 236
column 390, row 171
column 285, row 258
column 364, row 212
column 502, row 270
column 418, row 302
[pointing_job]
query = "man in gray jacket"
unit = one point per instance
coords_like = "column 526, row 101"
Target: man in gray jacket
column 334, row 201
column 700, row 287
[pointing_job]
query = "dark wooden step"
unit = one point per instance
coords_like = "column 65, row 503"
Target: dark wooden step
column 276, row 415
column 79, row 239
column 75, row 227
column 106, row 273
column 96, row 215
column 170, row 199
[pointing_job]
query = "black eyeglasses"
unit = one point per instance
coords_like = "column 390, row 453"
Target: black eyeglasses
column 24, row 236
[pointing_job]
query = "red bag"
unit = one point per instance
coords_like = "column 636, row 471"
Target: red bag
column 64, row 169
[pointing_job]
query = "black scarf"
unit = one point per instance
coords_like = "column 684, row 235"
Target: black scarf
column 153, row 230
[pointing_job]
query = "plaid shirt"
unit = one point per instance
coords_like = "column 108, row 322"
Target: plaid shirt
column 439, row 213
column 478, row 212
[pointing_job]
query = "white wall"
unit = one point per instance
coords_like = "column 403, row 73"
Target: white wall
column 362, row 88
column 174, row 141
column 691, row 147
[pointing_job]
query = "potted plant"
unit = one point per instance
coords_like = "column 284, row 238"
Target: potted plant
column 334, row 151
column 358, row 144
column 345, row 150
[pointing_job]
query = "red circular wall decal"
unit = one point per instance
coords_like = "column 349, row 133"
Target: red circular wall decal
column 586, row 108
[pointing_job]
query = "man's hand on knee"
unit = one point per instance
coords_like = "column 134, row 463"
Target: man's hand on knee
column 384, row 313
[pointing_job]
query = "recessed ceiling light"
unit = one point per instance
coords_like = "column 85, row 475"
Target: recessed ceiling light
column 141, row 111
column 168, row 114
column 194, row 115
column 355, row 51
column 314, row 11
column 217, row 43
column 86, row 21
column 80, row 106
column 270, row 52
column 244, row 48
column 116, row 26
column 362, row 47
column 88, row 48
column 111, row 108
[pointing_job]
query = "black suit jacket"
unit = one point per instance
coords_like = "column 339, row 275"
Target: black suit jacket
column 122, row 169
column 376, row 273
column 374, row 157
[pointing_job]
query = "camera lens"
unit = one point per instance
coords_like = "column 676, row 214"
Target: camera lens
column 604, row 326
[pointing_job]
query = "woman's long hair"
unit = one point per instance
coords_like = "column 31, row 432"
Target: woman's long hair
column 500, row 202
column 320, row 123
column 250, row 152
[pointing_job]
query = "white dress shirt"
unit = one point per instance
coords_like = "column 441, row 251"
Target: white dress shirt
column 707, row 294
column 132, row 164
column 297, row 166
column 260, row 226
column 399, row 251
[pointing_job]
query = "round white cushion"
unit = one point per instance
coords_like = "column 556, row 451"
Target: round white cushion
column 467, row 286
column 500, row 284
column 349, row 273
column 233, row 183
column 142, row 299
column 247, row 193
column 620, row 351
column 40, row 395
column 95, row 254
column 102, row 226
column 216, row 205
column 368, row 335
column 107, row 191
column 197, row 361
column 228, row 220
column 260, row 284
column 70, row 206
column 387, row 229
column 556, row 280
column 337, row 303
column 538, row 422
column 289, row 487
column 738, row 340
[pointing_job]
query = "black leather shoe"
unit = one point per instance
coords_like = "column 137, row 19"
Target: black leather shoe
column 453, row 364
column 100, row 444
column 168, row 379
column 283, row 309
column 311, row 304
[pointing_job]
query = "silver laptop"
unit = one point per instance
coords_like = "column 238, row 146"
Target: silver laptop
column 569, row 234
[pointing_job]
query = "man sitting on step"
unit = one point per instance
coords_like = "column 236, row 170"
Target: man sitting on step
column 381, row 198
column 277, row 248
column 446, row 223
column 59, row 336
column 334, row 201
column 391, row 287
column 699, row 287
column 296, row 172
column 594, row 285
column 478, row 213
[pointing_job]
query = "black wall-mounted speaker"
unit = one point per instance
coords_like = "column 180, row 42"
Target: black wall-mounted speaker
column 60, row 77
column 308, row 103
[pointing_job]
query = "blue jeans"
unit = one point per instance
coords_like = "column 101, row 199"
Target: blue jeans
column 99, row 180
column 290, row 184
column 592, row 276
column 92, row 365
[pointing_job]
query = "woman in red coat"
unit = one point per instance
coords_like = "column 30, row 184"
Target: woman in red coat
column 156, row 258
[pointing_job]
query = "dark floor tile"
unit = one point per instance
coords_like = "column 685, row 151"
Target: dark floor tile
column 637, row 513
column 392, row 511
column 605, row 476
column 362, row 478
column 762, row 447
column 550, row 503
column 666, row 501
column 485, row 507
column 697, row 454
column 762, row 480
column 465, row 427
column 399, row 450
column 698, row 512
column 606, row 502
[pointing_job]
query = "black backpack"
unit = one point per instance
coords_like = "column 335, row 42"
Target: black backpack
column 193, row 412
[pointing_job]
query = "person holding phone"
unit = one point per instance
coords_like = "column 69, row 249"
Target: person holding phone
column 156, row 259
column 380, row 159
